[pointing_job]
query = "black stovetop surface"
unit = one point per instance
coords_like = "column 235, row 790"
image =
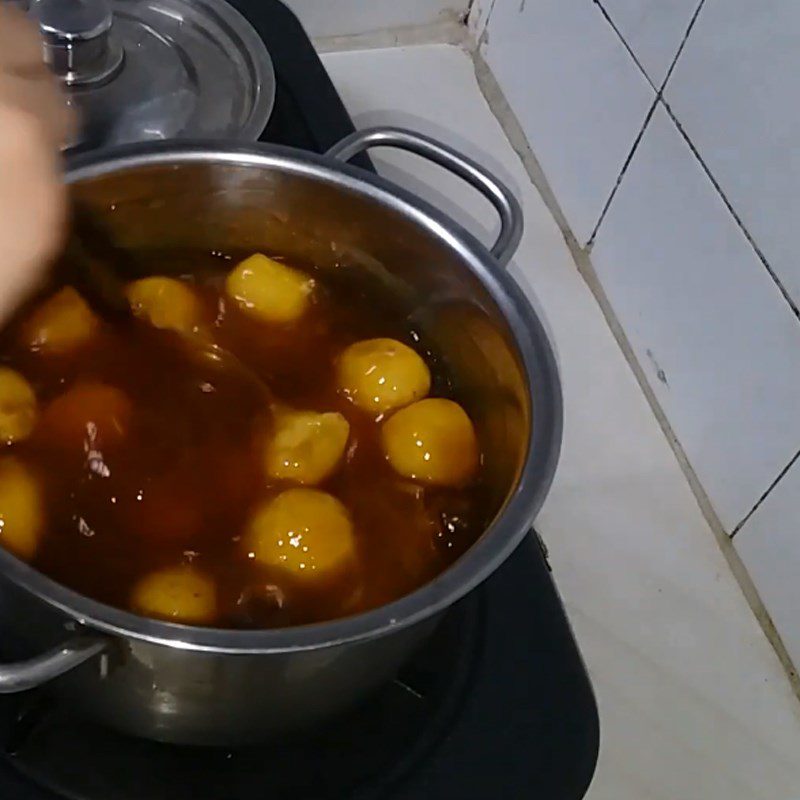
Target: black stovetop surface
column 498, row 705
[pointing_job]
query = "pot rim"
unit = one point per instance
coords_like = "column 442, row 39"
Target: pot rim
column 479, row 561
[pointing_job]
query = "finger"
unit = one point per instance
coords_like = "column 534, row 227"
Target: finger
column 42, row 99
column 32, row 204
column 20, row 44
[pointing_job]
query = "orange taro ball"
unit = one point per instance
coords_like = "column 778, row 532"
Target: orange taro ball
column 89, row 414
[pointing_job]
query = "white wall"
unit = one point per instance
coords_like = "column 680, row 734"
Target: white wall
column 669, row 131
column 345, row 17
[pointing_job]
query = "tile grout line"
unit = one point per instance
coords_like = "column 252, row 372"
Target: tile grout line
column 765, row 495
column 659, row 93
column 478, row 35
column 590, row 242
column 756, row 249
column 626, row 164
column 581, row 256
column 689, row 28
column 599, row 4
column 660, row 99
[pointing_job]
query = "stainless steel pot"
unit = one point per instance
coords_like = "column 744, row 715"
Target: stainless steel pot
column 201, row 685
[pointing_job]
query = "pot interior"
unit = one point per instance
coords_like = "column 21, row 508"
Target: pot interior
column 284, row 209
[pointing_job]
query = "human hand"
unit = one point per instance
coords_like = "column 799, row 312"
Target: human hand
column 34, row 123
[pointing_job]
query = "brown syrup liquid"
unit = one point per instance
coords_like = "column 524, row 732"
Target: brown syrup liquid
column 181, row 484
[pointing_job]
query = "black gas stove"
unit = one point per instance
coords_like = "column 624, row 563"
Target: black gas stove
column 498, row 704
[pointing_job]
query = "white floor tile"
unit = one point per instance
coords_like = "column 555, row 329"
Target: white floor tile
column 578, row 94
column 653, row 29
column 698, row 305
column 733, row 91
column 769, row 545
column 694, row 704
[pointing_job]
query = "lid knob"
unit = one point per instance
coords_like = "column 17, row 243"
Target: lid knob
column 77, row 38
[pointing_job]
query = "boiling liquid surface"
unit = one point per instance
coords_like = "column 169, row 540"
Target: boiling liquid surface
column 181, row 484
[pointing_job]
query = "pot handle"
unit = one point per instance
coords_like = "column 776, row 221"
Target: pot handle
column 23, row 675
column 497, row 193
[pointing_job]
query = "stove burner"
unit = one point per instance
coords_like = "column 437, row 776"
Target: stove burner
column 357, row 756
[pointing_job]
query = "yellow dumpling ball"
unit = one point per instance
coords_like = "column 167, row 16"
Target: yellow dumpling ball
column 306, row 446
column 17, row 406
column 432, row 441
column 269, row 290
column 177, row 594
column 62, row 323
column 21, row 516
column 304, row 531
column 381, row 374
column 166, row 303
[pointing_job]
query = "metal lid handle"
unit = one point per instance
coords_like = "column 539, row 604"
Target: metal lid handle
column 77, row 39
column 498, row 194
